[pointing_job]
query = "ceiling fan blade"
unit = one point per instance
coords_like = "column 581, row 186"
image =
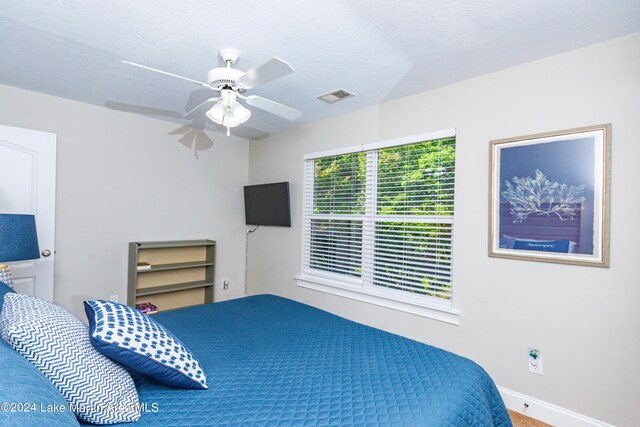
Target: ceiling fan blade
column 167, row 74
column 201, row 109
column 273, row 107
column 270, row 70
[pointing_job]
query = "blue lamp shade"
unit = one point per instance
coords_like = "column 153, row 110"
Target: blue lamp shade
column 18, row 238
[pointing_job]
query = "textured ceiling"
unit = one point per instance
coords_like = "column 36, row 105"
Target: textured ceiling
column 380, row 50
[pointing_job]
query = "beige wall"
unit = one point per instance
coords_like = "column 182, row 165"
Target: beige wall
column 584, row 319
column 123, row 178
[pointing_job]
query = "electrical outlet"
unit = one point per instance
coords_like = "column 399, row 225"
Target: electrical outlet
column 114, row 298
column 225, row 284
column 535, row 361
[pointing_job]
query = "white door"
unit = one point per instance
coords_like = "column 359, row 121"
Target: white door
column 28, row 186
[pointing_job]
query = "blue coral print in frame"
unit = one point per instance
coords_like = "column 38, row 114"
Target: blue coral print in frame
column 550, row 197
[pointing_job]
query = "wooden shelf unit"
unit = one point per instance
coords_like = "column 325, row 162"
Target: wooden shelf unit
column 181, row 273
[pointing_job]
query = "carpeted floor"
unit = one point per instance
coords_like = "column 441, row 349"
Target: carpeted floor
column 520, row 420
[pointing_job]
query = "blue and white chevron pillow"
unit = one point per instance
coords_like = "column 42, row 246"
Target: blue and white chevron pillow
column 137, row 341
column 56, row 342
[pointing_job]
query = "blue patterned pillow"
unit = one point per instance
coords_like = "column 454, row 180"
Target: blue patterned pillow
column 56, row 342
column 29, row 398
column 137, row 341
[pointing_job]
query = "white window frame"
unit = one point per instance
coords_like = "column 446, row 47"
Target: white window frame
column 356, row 287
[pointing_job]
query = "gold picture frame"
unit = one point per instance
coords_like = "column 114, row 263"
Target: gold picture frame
column 549, row 196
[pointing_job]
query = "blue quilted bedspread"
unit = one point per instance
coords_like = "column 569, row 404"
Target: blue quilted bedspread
column 271, row 361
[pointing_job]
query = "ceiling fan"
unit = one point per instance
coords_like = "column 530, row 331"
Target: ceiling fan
column 231, row 83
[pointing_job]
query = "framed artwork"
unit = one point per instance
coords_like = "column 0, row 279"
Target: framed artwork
column 549, row 197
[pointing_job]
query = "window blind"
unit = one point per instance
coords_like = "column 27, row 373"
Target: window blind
column 382, row 218
column 336, row 205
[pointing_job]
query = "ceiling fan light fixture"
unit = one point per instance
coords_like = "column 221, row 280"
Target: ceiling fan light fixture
column 241, row 113
column 230, row 120
column 216, row 114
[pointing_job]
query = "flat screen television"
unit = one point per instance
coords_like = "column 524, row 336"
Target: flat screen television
column 267, row 204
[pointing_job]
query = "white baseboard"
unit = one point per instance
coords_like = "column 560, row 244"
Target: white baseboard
column 546, row 412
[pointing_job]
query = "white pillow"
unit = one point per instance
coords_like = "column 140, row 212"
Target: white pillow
column 56, row 342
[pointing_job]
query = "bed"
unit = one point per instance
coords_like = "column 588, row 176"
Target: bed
column 271, row 361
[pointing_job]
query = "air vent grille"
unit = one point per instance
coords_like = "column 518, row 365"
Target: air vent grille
column 335, row 96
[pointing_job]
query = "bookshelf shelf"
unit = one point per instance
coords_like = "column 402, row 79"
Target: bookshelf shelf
column 175, row 266
column 171, row 288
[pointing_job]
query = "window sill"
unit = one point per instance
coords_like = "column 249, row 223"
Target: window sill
column 333, row 287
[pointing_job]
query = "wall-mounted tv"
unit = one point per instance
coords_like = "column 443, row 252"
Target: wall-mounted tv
column 267, row 204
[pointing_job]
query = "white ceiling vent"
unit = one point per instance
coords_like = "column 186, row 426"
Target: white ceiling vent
column 335, row 96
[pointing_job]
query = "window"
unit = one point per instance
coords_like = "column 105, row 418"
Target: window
column 378, row 219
